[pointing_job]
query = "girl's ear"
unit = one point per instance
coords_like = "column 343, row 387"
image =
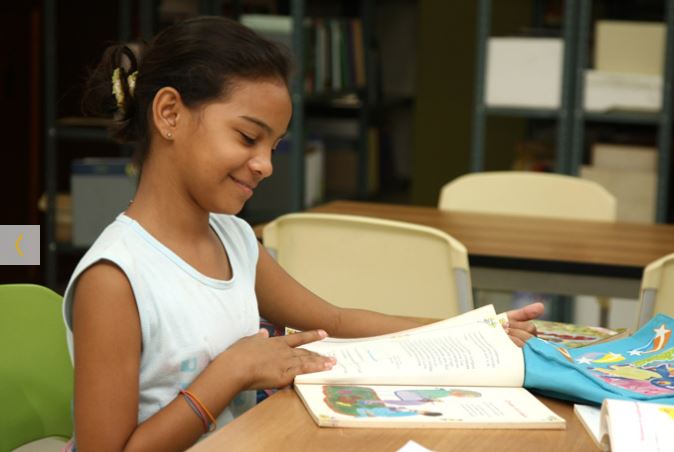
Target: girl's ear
column 166, row 108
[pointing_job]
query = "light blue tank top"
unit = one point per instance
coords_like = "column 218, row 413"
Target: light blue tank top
column 186, row 318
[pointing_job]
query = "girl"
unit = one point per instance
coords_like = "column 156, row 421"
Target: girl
column 163, row 310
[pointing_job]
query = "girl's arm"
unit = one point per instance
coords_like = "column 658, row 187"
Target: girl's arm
column 107, row 340
column 284, row 301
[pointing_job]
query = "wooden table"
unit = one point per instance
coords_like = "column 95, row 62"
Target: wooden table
column 282, row 423
column 514, row 252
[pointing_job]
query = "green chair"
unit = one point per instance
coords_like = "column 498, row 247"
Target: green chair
column 36, row 376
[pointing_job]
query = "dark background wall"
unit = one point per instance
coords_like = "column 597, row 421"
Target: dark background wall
column 445, row 80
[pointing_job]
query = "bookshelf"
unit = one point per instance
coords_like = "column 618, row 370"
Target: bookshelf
column 571, row 119
column 660, row 120
column 141, row 18
column 561, row 116
column 61, row 132
column 317, row 99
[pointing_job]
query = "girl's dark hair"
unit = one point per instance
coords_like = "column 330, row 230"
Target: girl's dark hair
column 200, row 58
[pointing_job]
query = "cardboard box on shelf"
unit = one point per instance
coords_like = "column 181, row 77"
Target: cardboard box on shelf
column 635, row 191
column 627, row 157
column 630, row 47
column 101, row 188
column 606, row 91
column 524, row 72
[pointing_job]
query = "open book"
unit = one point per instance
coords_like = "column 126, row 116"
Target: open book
column 463, row 372
column 623, row 425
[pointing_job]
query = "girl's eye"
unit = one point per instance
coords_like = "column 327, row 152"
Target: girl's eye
column 278, row 143
column 248, row 140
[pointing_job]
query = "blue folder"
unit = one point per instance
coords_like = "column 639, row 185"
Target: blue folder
column 639, row 367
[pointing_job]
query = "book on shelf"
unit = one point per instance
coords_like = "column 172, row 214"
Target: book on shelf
column 623, row 425
column 333, row 55
column 462, row 372
column 342, row 139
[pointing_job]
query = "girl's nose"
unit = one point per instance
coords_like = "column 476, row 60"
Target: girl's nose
column 261, row 165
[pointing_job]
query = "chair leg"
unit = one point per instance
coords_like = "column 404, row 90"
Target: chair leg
column 604, row 308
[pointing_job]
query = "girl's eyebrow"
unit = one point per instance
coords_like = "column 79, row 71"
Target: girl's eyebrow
column 259, row 122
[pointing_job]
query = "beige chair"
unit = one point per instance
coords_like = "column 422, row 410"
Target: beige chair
column 657, row 289
column 528, row 193
column 387, row 266
column 534, row 194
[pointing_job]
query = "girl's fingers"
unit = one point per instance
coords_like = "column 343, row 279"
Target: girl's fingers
column 305, row 337
column 517, row 341
column 307, row 357
column 528, row 312
column 522, row 335
column 529, row 327
column 310, row 363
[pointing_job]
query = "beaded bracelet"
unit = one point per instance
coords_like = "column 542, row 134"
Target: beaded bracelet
column 200, row 410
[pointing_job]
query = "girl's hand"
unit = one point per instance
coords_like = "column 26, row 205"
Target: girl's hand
column 273, row 362
column 520, row 328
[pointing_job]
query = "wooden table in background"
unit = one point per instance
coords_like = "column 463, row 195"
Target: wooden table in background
column 538, row 254
column 281, row 423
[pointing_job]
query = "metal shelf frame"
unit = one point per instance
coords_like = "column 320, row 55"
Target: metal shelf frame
column 562, row 115
column 53, row 132
column 571, row 118
column 662, row 119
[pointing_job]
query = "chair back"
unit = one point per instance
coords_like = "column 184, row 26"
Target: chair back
column 529, row 193
column 386, row 266
column 36, row 375
column 657, row 290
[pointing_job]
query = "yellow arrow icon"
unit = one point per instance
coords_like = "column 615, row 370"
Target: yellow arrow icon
column 18, row 250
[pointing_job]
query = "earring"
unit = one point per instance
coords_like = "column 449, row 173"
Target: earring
column 169, row 135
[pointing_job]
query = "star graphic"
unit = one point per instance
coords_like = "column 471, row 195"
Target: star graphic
column 584, row 360
column 660, row 332
column 634, row 352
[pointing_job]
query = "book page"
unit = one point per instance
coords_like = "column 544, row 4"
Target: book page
column 638, row 426
column 481, row 314
column 426, row 406
column 476, row 354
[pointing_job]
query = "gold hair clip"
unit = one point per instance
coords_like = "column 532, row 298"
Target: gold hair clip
column 131, row 80
column 117, row 86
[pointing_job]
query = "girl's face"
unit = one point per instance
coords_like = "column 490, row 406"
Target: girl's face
column 225, row 147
